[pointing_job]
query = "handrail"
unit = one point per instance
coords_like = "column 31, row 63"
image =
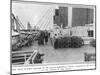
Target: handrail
column 31, row 57
column 19, row 58
column 18, row 63
column 22, row 51
column 21, row 54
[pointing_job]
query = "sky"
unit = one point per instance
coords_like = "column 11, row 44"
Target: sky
column 29, row 12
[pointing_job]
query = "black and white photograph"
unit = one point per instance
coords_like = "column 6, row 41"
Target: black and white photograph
column 52, row 33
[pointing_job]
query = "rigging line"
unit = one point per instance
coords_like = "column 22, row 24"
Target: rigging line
column 45, row 19
column 17, row 24
column 46, row 24
column 42, row 21
column 43, row 16
column 21, row 25
column 17, row 20
column 49, row 19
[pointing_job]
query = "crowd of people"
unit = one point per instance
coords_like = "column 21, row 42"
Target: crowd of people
column 43, row 38
column 46, row 36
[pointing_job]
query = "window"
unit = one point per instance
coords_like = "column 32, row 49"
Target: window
column 57, row 12
column 54, row 18
column 90, row 33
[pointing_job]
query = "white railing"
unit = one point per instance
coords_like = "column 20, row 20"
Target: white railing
column 31, row 58
column 25, row 55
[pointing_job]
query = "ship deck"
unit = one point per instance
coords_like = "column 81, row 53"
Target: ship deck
column 52, row 55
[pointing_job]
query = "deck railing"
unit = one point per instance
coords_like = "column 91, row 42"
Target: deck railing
column 23, row 57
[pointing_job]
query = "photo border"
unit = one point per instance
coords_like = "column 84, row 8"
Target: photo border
column 54, row 3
